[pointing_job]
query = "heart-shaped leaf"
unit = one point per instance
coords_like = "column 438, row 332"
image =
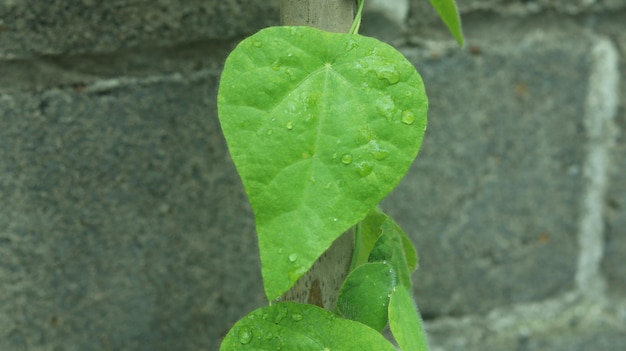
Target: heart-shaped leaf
column 292, row 326
column 321, row 126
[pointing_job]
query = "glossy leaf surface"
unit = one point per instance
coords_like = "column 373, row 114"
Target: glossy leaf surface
column 321, row 126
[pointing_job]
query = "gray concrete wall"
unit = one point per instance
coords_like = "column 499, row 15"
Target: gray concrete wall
column 123, row 225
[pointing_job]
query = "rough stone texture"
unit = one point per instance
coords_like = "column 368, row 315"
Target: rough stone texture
column 615, row 249
column 87, row 26
column 564, row 325
column 122, row 220
column 497, row 177
column 123, row 225
column 423, row 11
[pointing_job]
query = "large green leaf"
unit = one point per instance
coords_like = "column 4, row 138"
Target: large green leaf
column 405, row 322
column 321, row 126
column 291, row 326
column 449, row 13
column 364, row 296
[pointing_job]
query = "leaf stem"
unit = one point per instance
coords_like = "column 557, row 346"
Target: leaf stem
column 357, row 19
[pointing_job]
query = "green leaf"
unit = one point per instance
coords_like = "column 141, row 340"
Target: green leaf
column 321, row 126
column 395, row 248
column 364, row 296
column 292, row 326
column 405, row 322
column 449, row 13
column 367, row 233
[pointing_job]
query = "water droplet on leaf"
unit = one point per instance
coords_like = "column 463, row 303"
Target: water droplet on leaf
column 245, row 335
column 408, row 117
column 389, row 74
column 351, row 44
column 275, row 65
column 282, row 313
column 378, row 151
column 290, row 125
column 364, row 168
column 296, row 317
column 346, row 159
column 386, row 107
column 293, row 257
column 258, row 44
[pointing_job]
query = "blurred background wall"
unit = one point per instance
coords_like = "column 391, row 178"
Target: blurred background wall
column 124, row 226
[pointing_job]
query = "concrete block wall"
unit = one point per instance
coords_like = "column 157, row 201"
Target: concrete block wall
column 123, row 224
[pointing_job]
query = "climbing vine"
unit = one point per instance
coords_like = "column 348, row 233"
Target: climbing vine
column 321, row 127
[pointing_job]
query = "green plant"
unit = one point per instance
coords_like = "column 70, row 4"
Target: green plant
column 321, row 126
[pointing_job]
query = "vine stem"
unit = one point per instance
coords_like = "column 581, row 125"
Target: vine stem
column 356, row 24
column 320, row 285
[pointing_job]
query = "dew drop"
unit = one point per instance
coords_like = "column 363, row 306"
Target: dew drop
column 296, row 317
column 282, row 313
column 351, row 45
column 346, row 159
column 335, row 156
column 258, row 44
column 364, row 168
column 335, row 219
column 408, row 117
column 311, row 100
column 293, row 257
column 389, row 74
column 386, row 107
column 280, row 250
column 270, row 132
column 244, row 335
column 275, row 65
column 378, row 152
column 290, row 125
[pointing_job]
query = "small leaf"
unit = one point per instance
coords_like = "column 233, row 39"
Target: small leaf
column 292, row 326
column 449, row 13
column 405, row 322
column 364, row 296
column 321, row 126
column 368, row 232
column 395, row 248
